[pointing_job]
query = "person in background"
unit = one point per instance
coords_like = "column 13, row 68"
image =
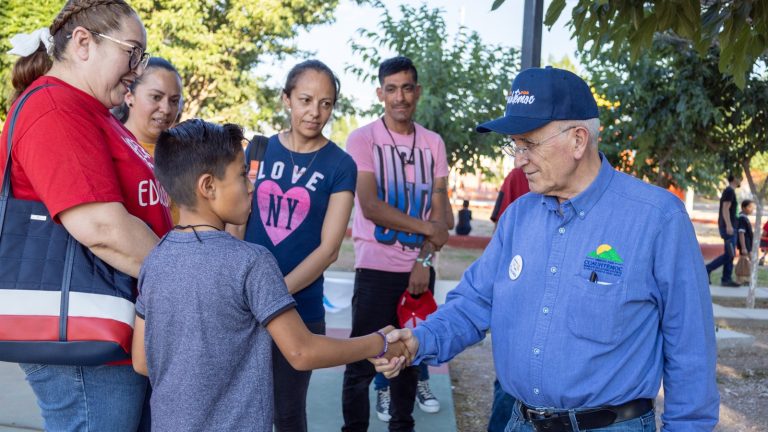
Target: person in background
column 400, row 221
column 464, row 227
column 746, row 233
column 304, row 193
column 726, row 224
column 514, row 186
column 153, row 104
column 72, row 154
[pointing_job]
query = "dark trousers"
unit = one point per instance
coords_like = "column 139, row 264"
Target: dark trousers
column 374, row 305
column 290, row 389
column 726, row 259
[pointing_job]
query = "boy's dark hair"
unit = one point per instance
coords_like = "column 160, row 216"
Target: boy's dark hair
column 746, row 203
column 396, row 65
column 465, row 204
column 122, row 111
column 315, row 65
column 191, row 149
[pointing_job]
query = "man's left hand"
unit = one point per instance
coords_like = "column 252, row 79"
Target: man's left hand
column 419, row 280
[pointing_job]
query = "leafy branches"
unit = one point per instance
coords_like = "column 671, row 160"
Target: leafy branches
column 738, row 27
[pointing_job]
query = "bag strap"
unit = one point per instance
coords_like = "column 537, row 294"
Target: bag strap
column 256, row 149
column 6, row 191
column 66, row 280
column 254, row 154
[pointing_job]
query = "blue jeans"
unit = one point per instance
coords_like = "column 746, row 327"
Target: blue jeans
column 87, row 398
column 503, row 405
column 644, row 423
column 381, row 382
column 726, row 259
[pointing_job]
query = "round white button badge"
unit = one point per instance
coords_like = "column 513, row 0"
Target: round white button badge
column 515, row 267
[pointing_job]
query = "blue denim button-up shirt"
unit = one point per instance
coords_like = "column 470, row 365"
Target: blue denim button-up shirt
column 590, row 302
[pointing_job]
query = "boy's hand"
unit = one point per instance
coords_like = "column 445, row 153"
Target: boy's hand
column 392, row 367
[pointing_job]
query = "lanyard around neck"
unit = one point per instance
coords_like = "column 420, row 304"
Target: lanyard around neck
column 410, row 160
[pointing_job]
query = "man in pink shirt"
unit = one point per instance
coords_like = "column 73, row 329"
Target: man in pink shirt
column 400, row 209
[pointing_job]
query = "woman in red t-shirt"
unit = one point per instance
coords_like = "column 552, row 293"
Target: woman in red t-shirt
column 94, row 178
column 152, row 105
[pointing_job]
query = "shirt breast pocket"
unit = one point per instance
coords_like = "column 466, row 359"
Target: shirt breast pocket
column 594, row 310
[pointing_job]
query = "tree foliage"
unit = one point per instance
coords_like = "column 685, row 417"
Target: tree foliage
column 216, row 45
column 659, row 126
column 464, row 81
column 738, row 27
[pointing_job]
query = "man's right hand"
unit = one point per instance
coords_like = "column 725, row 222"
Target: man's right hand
column 392, row 367
column 438, row 235
column 729, row 230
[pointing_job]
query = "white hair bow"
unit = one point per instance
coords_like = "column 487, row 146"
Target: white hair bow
column 25, row 44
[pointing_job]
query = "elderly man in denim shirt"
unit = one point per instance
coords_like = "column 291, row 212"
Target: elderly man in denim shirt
column 593, row 285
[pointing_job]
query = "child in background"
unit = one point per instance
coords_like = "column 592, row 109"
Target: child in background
column 465, row 215
column 208, row 303
column 746, row 234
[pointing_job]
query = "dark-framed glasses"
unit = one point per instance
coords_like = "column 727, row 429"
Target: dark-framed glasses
column 522, row 146
column 138, row 57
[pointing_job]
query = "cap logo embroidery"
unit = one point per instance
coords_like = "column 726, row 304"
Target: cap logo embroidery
column 520, row 97
column 605, row 260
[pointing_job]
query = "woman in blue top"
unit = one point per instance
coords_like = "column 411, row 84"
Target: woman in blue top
column 301, row 206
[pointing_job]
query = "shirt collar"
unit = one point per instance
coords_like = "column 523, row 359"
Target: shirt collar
column 584, row 201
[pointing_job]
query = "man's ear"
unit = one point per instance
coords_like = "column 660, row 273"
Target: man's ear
column 206, row 187
column 380, row 94
column 580, row 142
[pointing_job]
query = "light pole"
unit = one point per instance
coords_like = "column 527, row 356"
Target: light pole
column 533, row 16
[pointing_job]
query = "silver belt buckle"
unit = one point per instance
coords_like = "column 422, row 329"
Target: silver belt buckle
column 544, row 412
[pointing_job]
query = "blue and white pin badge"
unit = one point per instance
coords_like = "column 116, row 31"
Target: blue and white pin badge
column 515, row 267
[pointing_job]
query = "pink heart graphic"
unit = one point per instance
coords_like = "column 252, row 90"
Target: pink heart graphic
column 281, row 212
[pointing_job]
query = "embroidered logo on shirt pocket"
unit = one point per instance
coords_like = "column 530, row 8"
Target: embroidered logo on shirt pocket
column 593, row 309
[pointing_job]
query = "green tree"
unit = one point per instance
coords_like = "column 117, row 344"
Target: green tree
column 738, row 27
column 216, row 46
column 679, row 121
column 464, row 81
column 659, row 127
column 341, row 127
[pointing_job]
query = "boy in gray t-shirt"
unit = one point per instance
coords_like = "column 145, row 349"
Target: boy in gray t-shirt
column 209, row 304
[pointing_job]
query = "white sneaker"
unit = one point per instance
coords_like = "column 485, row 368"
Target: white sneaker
column 426, row 400
column 382, row 404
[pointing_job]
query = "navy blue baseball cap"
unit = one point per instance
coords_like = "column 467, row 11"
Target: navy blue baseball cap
column 539, row 96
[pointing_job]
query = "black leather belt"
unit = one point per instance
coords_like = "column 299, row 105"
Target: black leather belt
column 546, row 420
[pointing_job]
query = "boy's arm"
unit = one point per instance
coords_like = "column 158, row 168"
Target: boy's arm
column 138, row 355
column 305, row 350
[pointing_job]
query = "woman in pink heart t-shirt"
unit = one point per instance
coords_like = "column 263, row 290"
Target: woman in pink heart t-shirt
column 301, row 206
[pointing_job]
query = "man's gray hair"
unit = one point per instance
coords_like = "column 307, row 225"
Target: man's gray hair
column 592, row 125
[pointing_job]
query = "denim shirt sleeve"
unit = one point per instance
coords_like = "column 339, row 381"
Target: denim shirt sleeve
column 691, row 398
column 466, row 315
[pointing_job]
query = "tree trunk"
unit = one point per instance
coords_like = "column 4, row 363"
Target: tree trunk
column 754, row 256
